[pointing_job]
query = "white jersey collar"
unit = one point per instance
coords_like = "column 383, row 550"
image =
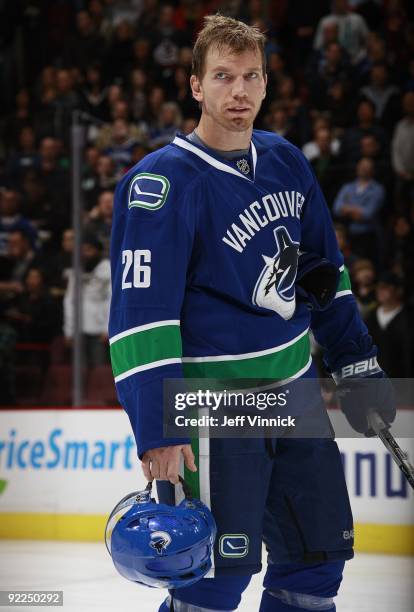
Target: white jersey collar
column 216, row 163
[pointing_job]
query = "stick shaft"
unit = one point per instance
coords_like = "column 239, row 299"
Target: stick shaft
column 400, row 457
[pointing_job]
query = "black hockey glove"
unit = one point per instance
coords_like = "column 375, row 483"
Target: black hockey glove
column 363, row 388
column 316, row 281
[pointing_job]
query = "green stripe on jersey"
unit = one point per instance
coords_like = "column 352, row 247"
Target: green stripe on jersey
column 144, row 347
column 344, row 281
column 280, row 364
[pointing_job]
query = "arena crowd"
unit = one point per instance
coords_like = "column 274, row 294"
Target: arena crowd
column 340, row 87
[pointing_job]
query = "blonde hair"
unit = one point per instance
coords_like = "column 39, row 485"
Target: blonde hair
column 226, row 33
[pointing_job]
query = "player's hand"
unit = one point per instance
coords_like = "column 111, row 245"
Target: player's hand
column 164, row 463
column 360, row 396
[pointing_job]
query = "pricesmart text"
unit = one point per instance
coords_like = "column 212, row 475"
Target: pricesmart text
column 54, row 451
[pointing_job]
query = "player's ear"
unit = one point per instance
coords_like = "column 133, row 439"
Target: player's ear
column 196, row 88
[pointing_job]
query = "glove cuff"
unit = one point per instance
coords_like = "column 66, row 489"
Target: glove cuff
column 359, row 369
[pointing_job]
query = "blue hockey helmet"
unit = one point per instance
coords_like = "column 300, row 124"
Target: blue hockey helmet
column 160, row 545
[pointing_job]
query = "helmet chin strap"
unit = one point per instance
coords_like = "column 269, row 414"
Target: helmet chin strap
column 146, row 493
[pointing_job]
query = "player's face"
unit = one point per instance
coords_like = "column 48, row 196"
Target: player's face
column 232, row 88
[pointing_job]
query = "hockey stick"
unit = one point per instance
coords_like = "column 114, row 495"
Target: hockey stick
column 400, row 457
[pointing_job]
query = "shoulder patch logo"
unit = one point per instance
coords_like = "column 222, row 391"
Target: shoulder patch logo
column 148, row 191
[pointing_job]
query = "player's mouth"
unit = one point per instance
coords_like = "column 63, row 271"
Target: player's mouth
column 238, row 110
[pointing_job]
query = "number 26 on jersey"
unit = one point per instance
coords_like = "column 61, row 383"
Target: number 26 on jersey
column 137, row 269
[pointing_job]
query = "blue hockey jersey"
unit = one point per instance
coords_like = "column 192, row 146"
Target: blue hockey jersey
column 204, row 259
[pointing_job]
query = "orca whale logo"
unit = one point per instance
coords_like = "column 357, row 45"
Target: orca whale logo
column 160, row 540
column 275, row 287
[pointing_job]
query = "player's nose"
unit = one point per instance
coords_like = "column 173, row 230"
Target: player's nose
column 239, row 88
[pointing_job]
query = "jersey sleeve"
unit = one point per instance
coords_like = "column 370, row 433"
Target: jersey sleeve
column 339, row 329
column 151, row 245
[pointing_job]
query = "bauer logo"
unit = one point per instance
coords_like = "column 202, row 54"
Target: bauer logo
column 348, row 534
column 234, row 545
column 148, row 191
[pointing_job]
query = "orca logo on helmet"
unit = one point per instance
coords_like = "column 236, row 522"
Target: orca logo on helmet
column 160, row 540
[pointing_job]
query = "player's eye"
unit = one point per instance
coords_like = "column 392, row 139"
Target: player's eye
column 252, row 75
column 221, row 76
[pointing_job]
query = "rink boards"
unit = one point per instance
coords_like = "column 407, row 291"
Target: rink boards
column 62, row 471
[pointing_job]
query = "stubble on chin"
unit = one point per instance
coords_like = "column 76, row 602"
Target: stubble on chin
column 241, row 125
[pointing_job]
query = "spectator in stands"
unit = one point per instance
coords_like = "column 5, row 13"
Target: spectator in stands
column 325, row 165
column 376, row 53
column 20, row 258
column 389, row 326
column 311, row 149
column 115, row 94
column 59, row 264
column 94, row 94
column 186, row 57
column 121, row 53
column 66, row 101
column 168, row 124
column 18, row 119
column 384, row 96
column 276, row 71
column 121, row 145
column 85, row 45
column 11, row 220
column 278, row 122
column 44, row 117
column 352, row 30
column 366, row 126
column 363, row 285
column 149, row 17
column 333, row 66
column 303, row 18
column 107, row 177
column 54, row 173
column 344, row 245
column 142, row 56
column 403, row 151
column 288, row 97
column 137, row 93
column 358, row 203
column 24, row 158
column 182, row 93
column 96, row 292
column 99, row 15
column 399, row 254
column 90, row 176
column 156, row 99
column 34, row 313
column 38, row 206
column 100, row 220
column 167, row 41
column 371, row 148
column 105, row 136
column 340, row 108
column 125, row 10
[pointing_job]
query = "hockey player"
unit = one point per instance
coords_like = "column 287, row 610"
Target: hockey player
column 201, row 229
